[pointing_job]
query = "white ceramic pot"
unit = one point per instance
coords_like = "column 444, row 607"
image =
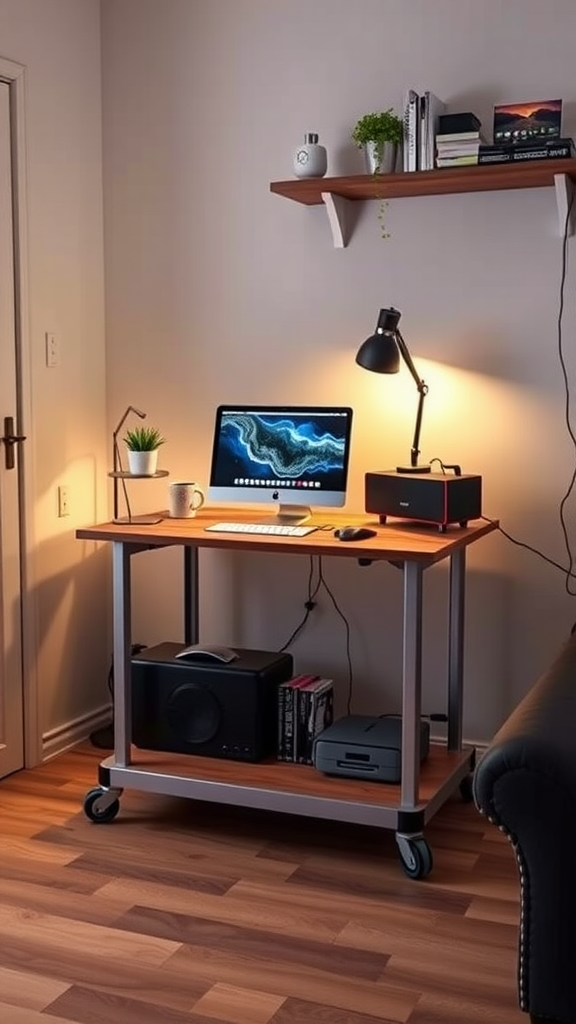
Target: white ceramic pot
column 143, row 463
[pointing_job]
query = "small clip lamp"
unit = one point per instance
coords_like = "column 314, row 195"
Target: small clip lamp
column 381, row 353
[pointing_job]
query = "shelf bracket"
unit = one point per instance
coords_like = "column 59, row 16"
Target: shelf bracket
column 564, row 192
column 337, row 208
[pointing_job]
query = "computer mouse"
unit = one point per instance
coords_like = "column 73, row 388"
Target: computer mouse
column 354, row 533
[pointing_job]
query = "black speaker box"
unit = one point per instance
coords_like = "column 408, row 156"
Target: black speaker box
column 201, row 705
column 426, row 497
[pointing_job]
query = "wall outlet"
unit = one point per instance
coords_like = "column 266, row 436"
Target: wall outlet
column 63, row 505
column 52, row 349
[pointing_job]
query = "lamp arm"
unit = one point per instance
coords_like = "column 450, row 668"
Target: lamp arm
column 422, row 392
column 404, row 352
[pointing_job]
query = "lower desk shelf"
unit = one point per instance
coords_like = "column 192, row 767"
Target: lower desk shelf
column 291, row 788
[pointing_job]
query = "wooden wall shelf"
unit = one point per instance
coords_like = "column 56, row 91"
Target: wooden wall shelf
column 336, row 193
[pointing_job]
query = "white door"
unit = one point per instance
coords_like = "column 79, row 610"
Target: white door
column 11, row 684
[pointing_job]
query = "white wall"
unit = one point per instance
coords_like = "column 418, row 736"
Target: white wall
column 59, row 44
column 218, row 290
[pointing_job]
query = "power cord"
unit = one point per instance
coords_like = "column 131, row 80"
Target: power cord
column 568, row 571
column 310, row 604
column 104, row 738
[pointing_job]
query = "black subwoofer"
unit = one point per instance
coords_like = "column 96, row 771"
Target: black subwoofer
column 202, row 705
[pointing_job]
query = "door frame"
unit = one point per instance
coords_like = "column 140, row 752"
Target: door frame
column 14, row 74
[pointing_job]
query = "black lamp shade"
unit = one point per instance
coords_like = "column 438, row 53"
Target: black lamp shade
column 379, row 353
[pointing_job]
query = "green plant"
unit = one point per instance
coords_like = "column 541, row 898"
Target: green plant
column 143, row 439
column 385, row 126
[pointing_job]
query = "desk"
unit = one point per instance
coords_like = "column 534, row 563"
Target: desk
column 300, row 789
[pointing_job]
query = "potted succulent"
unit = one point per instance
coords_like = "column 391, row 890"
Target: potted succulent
column 142, row 444
column 379, row 135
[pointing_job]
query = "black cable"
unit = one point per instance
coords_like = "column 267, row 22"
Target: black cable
column 569, row 571
column 347, row 627
column 529, row 547
column 310, row 604
column 104, row 738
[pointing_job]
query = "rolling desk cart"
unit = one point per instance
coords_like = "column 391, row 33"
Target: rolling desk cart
column 291, row 788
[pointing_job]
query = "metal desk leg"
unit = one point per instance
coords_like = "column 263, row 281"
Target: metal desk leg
column 191, row 613
column 122, row 652
column 456, row 649
column 411, row 684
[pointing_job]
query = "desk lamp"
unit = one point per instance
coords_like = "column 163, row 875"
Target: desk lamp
column 119, row 474
column 381, row 353
column 414, row 492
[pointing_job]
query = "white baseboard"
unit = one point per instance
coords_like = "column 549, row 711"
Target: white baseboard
column 57, row 740
column 63, row 737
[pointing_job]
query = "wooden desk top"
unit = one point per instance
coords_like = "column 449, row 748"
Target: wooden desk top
column 394, row 541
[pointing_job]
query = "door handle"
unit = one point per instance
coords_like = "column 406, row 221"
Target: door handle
column 10, row 439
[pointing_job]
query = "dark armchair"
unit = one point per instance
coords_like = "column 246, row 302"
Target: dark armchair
column 526, row 785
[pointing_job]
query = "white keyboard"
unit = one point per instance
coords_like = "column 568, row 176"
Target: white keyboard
column 269, row 529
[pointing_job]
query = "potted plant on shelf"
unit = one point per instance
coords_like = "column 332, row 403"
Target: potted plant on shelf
column 143, row 444
column 379, row 135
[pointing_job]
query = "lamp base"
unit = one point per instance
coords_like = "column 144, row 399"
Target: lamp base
column 413, row 469
column 137, row 520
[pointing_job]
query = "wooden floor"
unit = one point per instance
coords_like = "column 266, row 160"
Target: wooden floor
column 186, row 913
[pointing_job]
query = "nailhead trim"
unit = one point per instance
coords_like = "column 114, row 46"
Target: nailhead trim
column 524, row 898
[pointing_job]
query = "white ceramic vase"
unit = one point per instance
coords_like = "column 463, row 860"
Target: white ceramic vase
column 310, row 160
column 143, row 463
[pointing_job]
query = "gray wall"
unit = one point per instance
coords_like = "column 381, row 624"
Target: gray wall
column 216, row 290
column 58, row 42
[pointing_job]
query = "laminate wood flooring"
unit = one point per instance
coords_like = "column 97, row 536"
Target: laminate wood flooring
column 180, row 912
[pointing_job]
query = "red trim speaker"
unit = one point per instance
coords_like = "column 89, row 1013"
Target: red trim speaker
column 437, row 498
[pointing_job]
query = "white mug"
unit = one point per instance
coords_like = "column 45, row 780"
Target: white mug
column 184, row 498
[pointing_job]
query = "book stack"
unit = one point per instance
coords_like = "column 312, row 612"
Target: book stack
column 458, row 140
column 458, row 149
column 305, row 709
column 517, row 152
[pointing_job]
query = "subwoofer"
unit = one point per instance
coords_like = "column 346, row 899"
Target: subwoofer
column 200, row 704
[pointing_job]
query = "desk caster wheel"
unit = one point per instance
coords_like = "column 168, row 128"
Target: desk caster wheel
column 415, row 856
column 101, row 805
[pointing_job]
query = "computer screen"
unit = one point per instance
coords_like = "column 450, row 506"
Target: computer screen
column 290, row 456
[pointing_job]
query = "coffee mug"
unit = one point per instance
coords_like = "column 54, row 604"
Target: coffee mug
column 184, row 498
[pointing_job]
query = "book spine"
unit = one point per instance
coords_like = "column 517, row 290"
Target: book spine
column 303, row 699
column 281, row 713
column 299, row 719
column 285, row 696
column 290, row 716
column 319, row 717
column 516, row 156
column 411, row 122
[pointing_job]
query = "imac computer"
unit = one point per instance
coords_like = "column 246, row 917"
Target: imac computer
column 292, row 457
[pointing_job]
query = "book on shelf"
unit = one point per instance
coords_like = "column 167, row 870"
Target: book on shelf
column 315, row 712
column 421, row 114
column 466, row 160
column 287, row 715
column 410, row 147
column 457, row 149
column 559, row 149
column 431, row 109
column 453, row 137
column 453, row 124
